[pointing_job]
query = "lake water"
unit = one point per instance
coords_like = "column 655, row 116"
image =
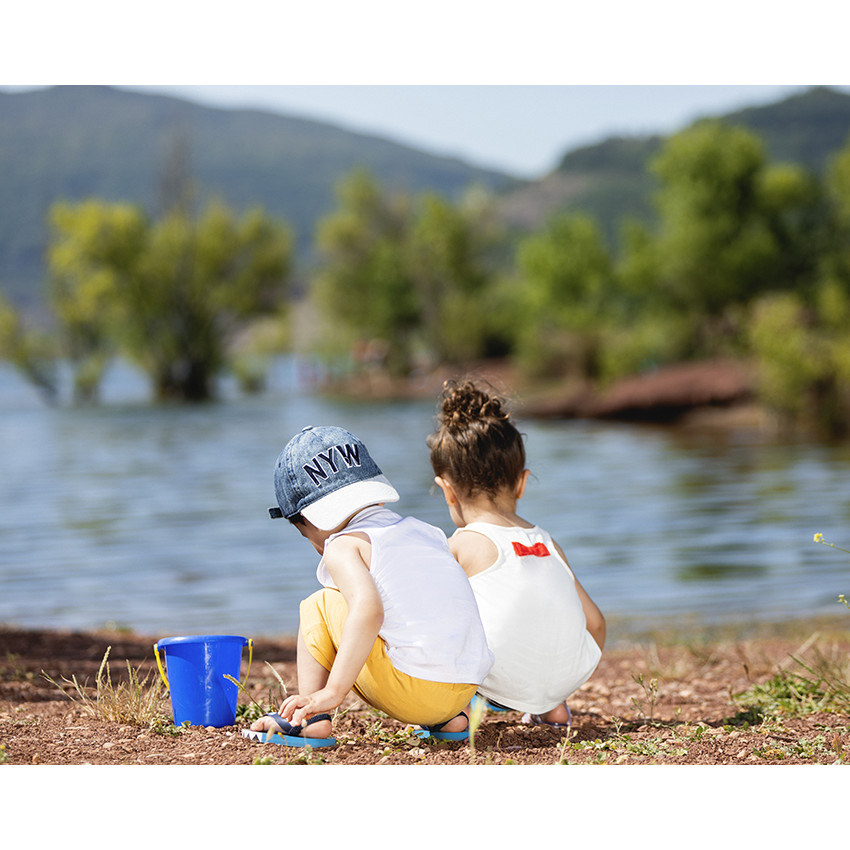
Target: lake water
column 155, row 518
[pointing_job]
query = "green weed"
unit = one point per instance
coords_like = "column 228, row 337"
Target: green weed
column 254, row 710
column 476, row 715
column 650, row 690
column 135, row 701
column 4, row 756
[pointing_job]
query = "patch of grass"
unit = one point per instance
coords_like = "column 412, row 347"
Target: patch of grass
column 817, row 749
column 819, row 685
column 392, row 738
column 16, row 673
column 830, row 675
column 137, row 701
column 623, row 746
column 307, row 756
column 750, row 716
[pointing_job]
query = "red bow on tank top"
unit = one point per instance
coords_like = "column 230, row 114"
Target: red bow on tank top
column 538, row 549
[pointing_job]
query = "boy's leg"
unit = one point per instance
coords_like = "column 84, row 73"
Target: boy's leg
column 312, row 676
column 458, row 723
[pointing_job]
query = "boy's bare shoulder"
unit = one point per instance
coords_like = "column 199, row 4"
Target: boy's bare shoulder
column 347, row 544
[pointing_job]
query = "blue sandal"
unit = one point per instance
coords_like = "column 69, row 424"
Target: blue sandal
column 488, row 705
column 291, row 735
column 436, row 732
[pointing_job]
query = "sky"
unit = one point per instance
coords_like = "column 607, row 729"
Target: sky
column 521, row 130
column 507, row 86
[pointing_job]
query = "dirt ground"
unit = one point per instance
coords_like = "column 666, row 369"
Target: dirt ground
column 658, row 700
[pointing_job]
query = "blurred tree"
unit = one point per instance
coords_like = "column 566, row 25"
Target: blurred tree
column 731, row 229
column 800, row 339
column 168, row 293
column 362, row 290
column 450, row 253
column 566, row 295
column 835, row 256
column 30, row 351
column 99, row 245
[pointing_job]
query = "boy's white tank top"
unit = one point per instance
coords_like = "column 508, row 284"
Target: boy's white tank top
column 534, row 621
column 431, row 625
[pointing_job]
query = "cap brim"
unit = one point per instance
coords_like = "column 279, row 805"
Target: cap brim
column 332, row 510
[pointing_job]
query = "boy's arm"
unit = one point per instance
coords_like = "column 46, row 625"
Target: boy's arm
column 346, row 559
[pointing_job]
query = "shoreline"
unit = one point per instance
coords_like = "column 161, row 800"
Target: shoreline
column 674, row 698
column 623, row 631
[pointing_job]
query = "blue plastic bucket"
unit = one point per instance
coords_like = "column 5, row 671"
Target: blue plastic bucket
column 197, row 669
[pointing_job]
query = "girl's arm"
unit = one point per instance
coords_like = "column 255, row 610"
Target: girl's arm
column 595, row 621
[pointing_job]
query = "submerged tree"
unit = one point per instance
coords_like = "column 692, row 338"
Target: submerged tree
column 30, row 351
column 405, row 278
column 168, row 293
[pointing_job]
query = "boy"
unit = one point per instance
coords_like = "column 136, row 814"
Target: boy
column 396, row 619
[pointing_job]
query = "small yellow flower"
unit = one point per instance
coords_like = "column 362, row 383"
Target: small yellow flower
column 818, row 537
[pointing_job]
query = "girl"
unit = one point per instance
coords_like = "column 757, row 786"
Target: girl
column 544, row 630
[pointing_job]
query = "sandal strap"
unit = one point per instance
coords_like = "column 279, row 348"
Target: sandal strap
column 297, row 730
column 288, row 729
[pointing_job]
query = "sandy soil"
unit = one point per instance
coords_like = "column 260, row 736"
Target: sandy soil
column 657, row 701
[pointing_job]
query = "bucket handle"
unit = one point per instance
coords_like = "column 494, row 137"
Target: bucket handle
column 249, row 641
column 159, row 665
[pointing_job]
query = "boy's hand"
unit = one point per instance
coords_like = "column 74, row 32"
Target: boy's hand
column 300, row 707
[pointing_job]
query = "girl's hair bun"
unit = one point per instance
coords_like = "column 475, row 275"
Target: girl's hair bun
column 463, row 403
column 476, row 444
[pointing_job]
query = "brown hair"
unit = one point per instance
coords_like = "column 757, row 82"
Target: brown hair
column 476, row 445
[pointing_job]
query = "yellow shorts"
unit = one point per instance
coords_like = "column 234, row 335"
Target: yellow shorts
column 403, row 697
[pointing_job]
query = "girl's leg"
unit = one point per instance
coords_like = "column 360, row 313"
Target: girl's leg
column 560, row 714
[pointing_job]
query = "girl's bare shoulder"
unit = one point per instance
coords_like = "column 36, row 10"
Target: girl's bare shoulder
column 473, row 551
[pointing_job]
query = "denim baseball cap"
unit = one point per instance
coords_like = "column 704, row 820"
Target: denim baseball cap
column 326, row 474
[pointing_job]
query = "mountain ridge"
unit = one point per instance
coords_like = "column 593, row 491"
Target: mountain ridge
column 610, row 180
column 74, row 142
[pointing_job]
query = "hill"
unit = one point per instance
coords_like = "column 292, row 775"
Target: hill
column 80, row 141
column 611, row 180
column 75, row 142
